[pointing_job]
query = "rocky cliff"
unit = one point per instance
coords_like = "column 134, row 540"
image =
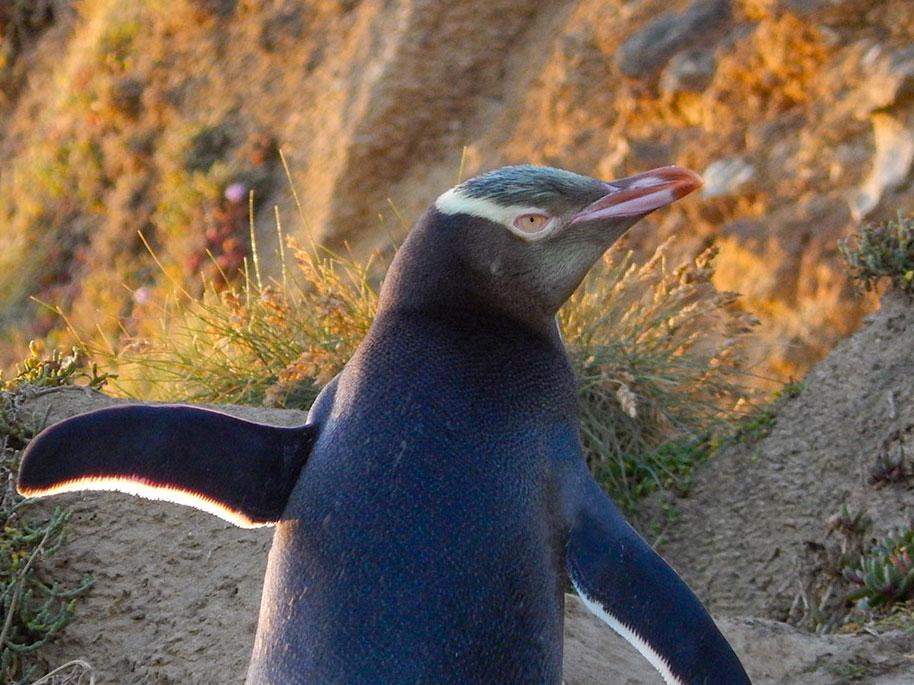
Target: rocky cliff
column 119, row 117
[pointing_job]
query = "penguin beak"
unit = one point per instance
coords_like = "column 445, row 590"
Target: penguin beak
column 635, row 196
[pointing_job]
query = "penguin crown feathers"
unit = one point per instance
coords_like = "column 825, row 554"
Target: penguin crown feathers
column 530, row 201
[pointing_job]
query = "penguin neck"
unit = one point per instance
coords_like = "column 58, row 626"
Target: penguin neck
column 427, row 278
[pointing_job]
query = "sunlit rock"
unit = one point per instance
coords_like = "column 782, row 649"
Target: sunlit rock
column 728, row 177
column 891, row 163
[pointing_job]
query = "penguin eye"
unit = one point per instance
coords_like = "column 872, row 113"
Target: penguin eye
column 531, row 223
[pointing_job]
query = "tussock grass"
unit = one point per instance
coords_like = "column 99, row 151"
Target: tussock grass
column 656, row 349
column 658, row 353
column 251, row 342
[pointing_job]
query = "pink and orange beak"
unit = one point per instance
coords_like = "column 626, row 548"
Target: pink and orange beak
column 635, row 196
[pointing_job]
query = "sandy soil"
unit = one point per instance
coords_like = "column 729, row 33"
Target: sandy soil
column 756, row 508
column 177, row 592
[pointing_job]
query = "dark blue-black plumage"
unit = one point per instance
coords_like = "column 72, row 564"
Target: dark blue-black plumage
column 439, row 560
column 244, row 470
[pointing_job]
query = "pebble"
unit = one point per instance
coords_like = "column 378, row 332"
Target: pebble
column 728, row 177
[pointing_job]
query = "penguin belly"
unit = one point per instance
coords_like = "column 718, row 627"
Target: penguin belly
column 422, row 571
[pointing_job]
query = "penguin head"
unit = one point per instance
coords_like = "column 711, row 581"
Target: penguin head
column 520, row 239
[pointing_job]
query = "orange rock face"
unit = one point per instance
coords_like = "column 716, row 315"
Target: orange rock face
column 126, row 117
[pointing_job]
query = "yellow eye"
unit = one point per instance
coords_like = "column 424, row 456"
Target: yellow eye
column 531, row 223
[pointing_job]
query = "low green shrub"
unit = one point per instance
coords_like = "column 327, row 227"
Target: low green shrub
column 883, row 250
column 55, row 369
column 885, row 574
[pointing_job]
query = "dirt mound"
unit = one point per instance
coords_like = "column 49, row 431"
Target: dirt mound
column 757, row 509
column 176, row 596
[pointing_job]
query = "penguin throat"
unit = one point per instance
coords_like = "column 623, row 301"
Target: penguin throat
column 429, row 276
column 427, row 282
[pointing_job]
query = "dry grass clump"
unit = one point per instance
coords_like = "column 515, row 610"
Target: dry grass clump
column 658, row 354
column 75, row 672
column 277, row 342
column 820, row 581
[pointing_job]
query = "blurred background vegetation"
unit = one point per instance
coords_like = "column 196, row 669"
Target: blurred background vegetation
column 160, row 118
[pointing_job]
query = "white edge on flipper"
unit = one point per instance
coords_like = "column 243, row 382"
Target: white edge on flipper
column 630, row 636
column 150, row 490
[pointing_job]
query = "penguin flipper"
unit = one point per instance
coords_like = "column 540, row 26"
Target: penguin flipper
column 238, row 470
column 632, row 589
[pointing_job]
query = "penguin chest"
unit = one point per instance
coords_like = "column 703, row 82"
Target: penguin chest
column 415, row 557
